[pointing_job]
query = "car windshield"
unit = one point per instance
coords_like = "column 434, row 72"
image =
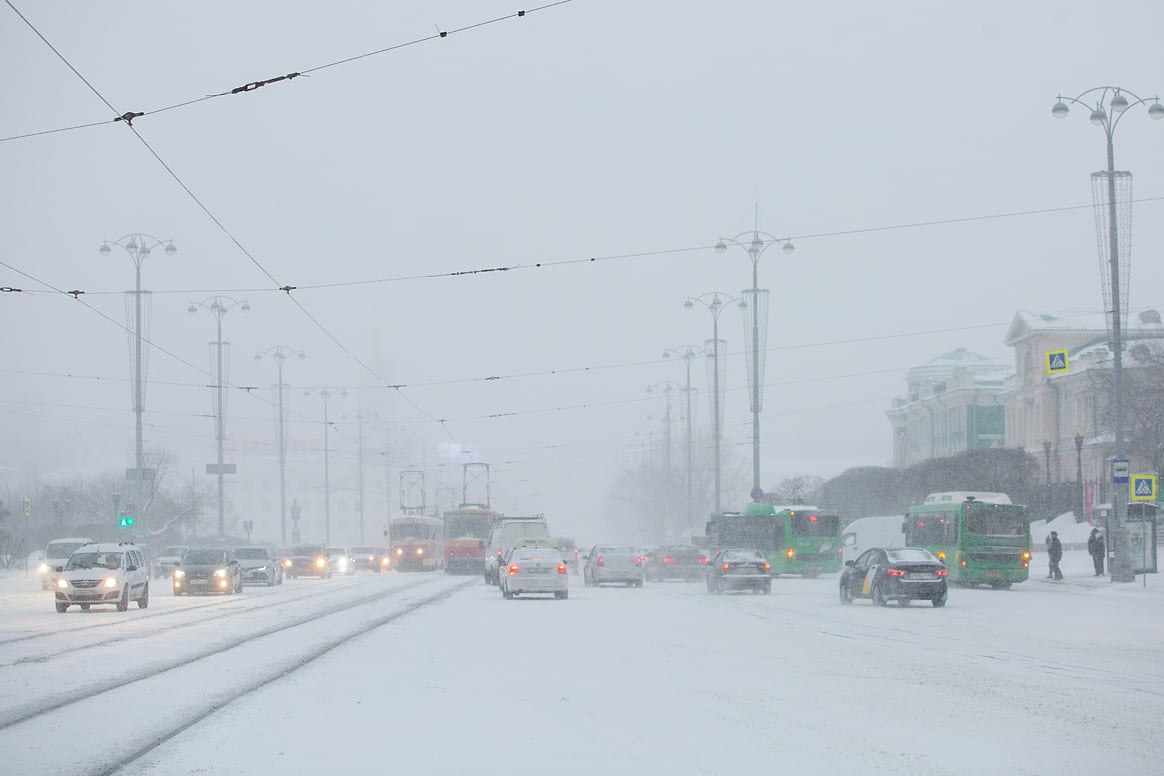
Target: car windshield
column 62, row 549
column 251, row 553
column 307, row 549
column 910, row 555
column 546, row 554
column 742, row 556
column 94, row 560
column 204, row 557
column 172, row 552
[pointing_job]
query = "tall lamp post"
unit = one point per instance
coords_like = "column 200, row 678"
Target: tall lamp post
column 688, row 354
column 138, row 247
column 1047, row 456
column 666, row 387
column 757, row 300
column 219, row 306
column 325, row 394
column 279, row 354
column 360, row 416
column 715, row 305
column 1079, row 476
column 1111, row 104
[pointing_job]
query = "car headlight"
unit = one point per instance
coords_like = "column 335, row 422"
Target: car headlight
column 62, row 583
column 42, row 568
column 399, row 551
column 178, row 573
column 220, row 573
column 320, row 562
column 261, row 568
column 287, row 563
column 420, row 551
column 109, row 582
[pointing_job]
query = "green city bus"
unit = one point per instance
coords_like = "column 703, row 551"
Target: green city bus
column 981, row 537
column 803, row 540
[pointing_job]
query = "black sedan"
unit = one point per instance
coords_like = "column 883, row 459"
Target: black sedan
column 903, row 575
column 208, row 571
column 739, row 570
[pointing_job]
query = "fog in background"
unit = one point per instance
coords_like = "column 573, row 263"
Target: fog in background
column 635, row 134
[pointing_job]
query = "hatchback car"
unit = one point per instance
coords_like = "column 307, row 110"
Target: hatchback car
column 55, row 556
column 341, row 561
column 534, row 570
column 208, row 571
column 260, row 566
column 613, row 563
column 740, row 569
column 371, row 558
column 165, row 561
column 103, row 574
column 686, row 563
column 904, row 574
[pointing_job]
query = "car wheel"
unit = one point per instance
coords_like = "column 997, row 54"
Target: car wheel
column 508, row 596
column 144, row 601
column 716, row 587
column 846, row 599
column 562, row 595
column 85, row 607
column 878, row 595
column 710, row 586
column 61, row 608
column 940, row 601
column 904, row 602
column 768, row 589
column 123, row 602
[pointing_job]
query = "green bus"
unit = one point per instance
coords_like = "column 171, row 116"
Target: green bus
column 981, row 537
column 803, row 540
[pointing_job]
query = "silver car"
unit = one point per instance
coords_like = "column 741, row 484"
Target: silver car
column 534, row 570
column 260, row 566
column 613, row 563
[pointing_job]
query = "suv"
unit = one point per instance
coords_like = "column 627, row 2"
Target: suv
column 104, row 574
column 56, row 555
column 504, row 536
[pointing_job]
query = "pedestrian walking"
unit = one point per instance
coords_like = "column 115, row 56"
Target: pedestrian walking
column 1050, row 563
column 1054, row 555
column 1097, row 550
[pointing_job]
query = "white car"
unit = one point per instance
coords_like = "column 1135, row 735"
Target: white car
column 112, row 574
column 534, row 570
column 56, row 555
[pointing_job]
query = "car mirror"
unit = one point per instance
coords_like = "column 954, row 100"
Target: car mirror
column 849, row 563
column 481, row 545
column 59, row 568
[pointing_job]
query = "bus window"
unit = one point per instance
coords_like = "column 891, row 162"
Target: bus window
column 815, row 525
column 931, row 529
column 995, row 524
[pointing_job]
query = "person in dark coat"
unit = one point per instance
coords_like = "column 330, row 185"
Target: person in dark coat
column 1055, row 554
column 1097, row 550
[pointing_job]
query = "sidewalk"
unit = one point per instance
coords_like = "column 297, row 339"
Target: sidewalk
column 1078, row 571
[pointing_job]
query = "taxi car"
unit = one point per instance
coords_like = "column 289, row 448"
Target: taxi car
column 903, row 574
column 105, row 573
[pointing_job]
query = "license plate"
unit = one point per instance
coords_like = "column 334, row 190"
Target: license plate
column 921, row 575
column 198, row 582
column 994, row 573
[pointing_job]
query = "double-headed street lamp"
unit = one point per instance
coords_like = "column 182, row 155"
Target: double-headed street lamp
column 325, row 394
column 757, row 300
column 219, row 306
column 138, row 247
column 715, row 305
column 688, row 354
column 1110, row 105
column 280, row 354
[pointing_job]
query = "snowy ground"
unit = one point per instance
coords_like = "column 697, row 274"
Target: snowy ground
column 1050, row 677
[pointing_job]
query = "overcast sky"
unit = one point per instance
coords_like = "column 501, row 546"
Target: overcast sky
column 636, row 132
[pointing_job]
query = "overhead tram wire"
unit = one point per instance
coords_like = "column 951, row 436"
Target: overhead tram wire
column 230, row 235
column 129, row 117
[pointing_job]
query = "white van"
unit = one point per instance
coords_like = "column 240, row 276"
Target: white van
column 886, row 531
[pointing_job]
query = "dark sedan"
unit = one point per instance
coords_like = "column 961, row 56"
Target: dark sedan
column 740, row 569
column 903, row 575
column 686, row 563
column 208, row 571
column 310, row 560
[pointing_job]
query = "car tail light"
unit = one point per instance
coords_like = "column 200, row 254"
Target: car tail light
column 942, row 572
column 639, row 560
column 790, row 552
column 512, row 569
column 838, row 551
column 895, row 572
column 668, row 560
column 561, row 568
column 703, row 560
column 767, row 567
column 727, row 566
column 600, row 561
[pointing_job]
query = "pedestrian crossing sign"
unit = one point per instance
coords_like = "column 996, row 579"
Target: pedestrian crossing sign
column 1143, row 487
column 1056, row 361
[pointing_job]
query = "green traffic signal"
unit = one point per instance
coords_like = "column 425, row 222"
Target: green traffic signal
column 124, row 520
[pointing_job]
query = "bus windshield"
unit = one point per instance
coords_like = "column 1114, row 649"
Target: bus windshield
column 931, row 529
column 400, row 531
column 995, row 523
column 744, row 531
column 815, row 525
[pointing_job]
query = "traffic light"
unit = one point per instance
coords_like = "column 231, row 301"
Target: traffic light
column 125, row 520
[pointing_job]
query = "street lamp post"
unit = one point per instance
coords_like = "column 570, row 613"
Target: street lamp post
column 138, row 247
column 1079, row 476
column 715, row 306
column 760, row 242
column 360, row 417
column 325, row 394
column 1047, row 456
column 688, row 354
column 1115, row 100
column 280, row 354
column 219, row 306
column 666, row 387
